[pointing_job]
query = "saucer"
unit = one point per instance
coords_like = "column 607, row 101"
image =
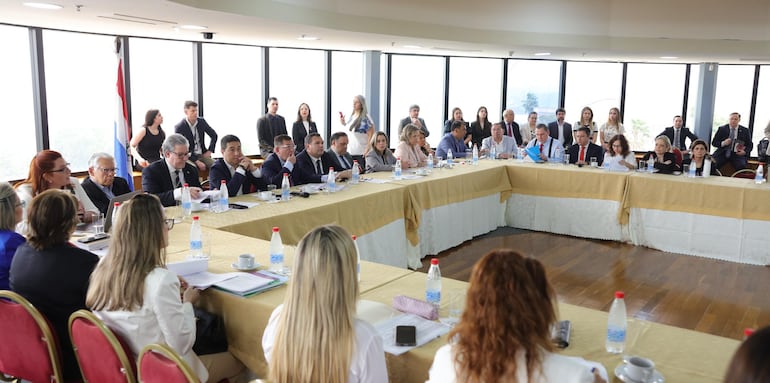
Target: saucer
column 620, row 372
column 235, row 266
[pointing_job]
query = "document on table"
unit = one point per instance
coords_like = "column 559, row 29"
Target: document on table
column 426, row 331
column 205, row 194
column 194, row 271
column 374, row 180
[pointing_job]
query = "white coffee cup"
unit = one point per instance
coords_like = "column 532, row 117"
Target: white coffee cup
column 245, row 261
column 639, row 369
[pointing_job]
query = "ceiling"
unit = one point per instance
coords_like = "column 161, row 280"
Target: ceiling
column 608, row 30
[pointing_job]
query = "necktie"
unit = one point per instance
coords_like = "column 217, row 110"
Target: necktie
column 582, row 157
column 732, row 143
column 318, row 167
column 178, row 181
column 344, row 162
column 677, row 143
column 510, row 131
column 541, row 148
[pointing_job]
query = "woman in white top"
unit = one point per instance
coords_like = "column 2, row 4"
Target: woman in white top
column 135, row 296
column 620, row 157
column 610, row 128
column 504, row 334
column 314, row 335
column 586, row 121
column 49, row 170
column 528, row 130
column 409, row 148
column 361, row 125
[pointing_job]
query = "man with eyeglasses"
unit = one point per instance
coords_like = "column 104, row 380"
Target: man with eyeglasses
column 237, row 170
column 279, row 162
column 102, row 184
column 166, row 177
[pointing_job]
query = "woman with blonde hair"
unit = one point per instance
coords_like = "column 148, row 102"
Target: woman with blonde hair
column 504, row 333
column 409, row 148
column 134, row 294
column 361, row 125
column 379, row 158
column 586, row 121
column 314, row 335
column 612, row 127
column 665, row 160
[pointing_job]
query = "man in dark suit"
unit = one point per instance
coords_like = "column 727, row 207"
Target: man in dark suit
column 561, row 130
column 269, row 126
column 414, row 119
column 102, row 185
column 313, row 163
column 236, row 170
column 733, row 143
column 281, row 161
column 339, row 150
column 166, row 176
column 584, row 149
column 193, row 128
column 677, row 134
column 510, row 127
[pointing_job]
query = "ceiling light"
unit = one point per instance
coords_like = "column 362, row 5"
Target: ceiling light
column 43, row 6
column 308, row 38
column 669, row 57
column 412, row 47
column 193, row 27
column 543, row 54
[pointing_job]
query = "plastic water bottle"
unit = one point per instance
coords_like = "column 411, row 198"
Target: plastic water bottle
column 760, row 177
column 276, row 252
column 355, row 173
column 186, row 201
column 285, row 188
column 433, row 284
column 449, row 157
column 475, row 155
column 650, row 165
column 706, row 168
column 224, row 197
column 331, row 183
column 397, row 169
column 196, row 238
column 430, row 161
column 115, row 213
column 492, row 152
column 358, row 258
column 691, row 170
column 616, row 325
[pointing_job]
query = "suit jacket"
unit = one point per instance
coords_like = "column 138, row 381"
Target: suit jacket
column 723, row 132
column 298, row 134
column 267, row 130
column 304, row 169
column 516, row 132
column 592, row 150
column 480, row 133
column 202, row 127
column 156, row 179
column 566, row 133
column 272, row 171
column 407, row 121
column 247, row 183
column 683, row 135
column 664, row 168
column 338, row 163
column 97, row 196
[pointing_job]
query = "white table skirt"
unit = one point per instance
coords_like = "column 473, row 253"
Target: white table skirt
column 729, row 239
column 387, row 245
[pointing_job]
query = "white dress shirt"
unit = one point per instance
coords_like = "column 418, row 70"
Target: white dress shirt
column 506, row 145
column 613, row 162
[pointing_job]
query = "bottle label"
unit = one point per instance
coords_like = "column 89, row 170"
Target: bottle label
column 276, row 258
column 617, row 335
column 196, row 245
column 433, row 296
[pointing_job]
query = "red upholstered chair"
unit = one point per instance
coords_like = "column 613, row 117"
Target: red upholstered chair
column 29, row 349
column 159, row 363
column 745, row 173
column 678, row 154
column 101, row 354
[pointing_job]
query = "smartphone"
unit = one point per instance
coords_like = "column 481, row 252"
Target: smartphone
column 93, row 238
column 406, row 336
column 236, row 206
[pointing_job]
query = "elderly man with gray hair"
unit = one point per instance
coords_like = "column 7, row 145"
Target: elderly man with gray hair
column 166, row 176
column 414, row 119
column 102, row 184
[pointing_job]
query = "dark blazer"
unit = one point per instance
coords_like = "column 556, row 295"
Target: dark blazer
column 516, row 132
column 157, row 180
column 480, row 133
column 203, row 127
column 723, row 132
column 663, row 168
column 683, row 135
column 592, row 150
column 553, row 129
column 407, row 121
column 267, row 130
column 244, row 182
column 337, row 163
column 272, row 171
column 55, row 280
column 298, row 134
column 97, row 196
column 304, row 169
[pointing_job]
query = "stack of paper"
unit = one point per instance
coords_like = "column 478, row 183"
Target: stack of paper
column 194, row 271
column 245, row 284
column 426, row 331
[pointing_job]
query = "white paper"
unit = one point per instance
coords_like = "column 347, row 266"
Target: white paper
column 205, row 194
column 194, row 271
column 374, row 180
column 426, row 331
column 242, row 283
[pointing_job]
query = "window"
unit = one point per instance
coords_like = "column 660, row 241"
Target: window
column 17, row 103
column 473, row 83
column 161, row 78
column 762, row 114
column 595, row 85
column 533, row 86
column 417, row 80
column 81, row 75
column 654, row 94
column 733, row 93
column 692, row 99
column 232, row 92
column 347, row 82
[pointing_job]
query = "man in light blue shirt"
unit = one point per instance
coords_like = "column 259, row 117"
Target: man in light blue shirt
column 453, row 141
column 551, row 149
column 503, row 145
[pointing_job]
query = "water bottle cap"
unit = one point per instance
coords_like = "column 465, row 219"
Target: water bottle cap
column 224, row 182
column 186, row 185
column 747, row 332
column 275, row 229
column 434, row 261
column 285, row 174
column 117, row 204
column 356, row 161
column 354, row 237
column 195, row 218
column 620, row 295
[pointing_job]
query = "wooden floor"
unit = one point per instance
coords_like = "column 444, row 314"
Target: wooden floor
column 715, row 297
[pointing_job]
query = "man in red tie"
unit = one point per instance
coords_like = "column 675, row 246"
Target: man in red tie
column 511, row 128
column 584, row 149
column 551, row 149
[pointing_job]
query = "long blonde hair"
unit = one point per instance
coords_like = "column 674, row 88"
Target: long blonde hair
column 138, row 247
column 315, row 336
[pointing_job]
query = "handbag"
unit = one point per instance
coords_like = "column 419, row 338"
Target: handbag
column 210, row 335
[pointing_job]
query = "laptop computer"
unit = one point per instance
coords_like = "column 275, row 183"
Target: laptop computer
column 120, row 199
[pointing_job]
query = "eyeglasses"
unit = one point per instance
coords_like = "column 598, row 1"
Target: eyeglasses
column 169, row 223
column 23, row 204
column 66, row 168
column 108, row 170
column 291, row 146
column 182, row 155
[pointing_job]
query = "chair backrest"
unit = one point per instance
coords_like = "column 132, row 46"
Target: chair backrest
column 101, row 354
column 29, row 349
column 678, row 154
column 159, row 363
column 745, row 173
